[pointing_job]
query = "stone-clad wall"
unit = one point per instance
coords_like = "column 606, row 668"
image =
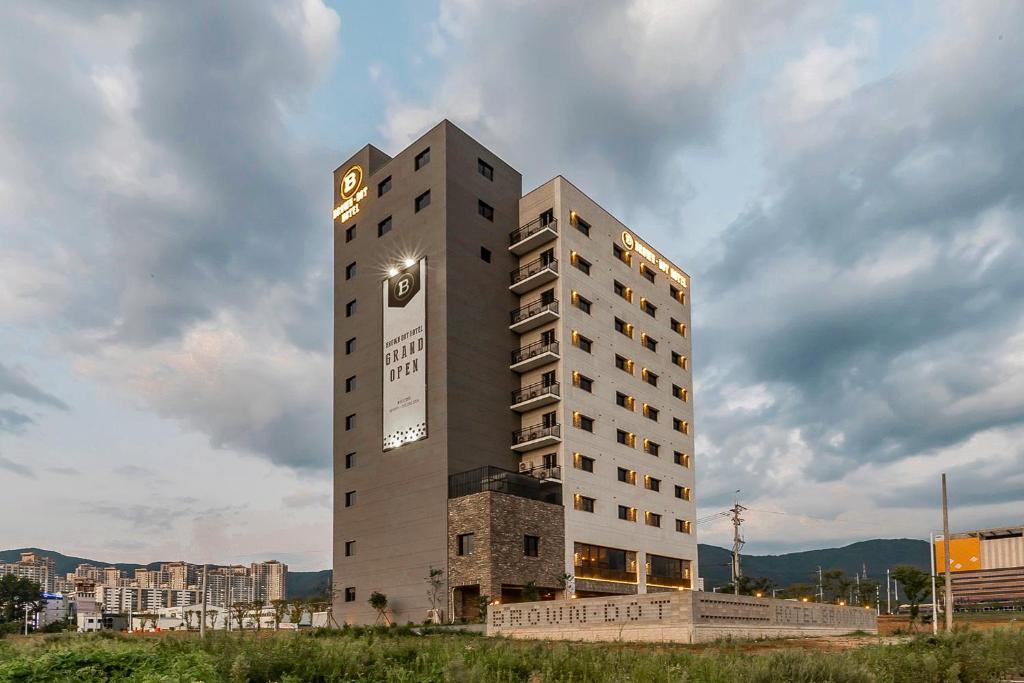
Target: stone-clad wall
column 684, row 617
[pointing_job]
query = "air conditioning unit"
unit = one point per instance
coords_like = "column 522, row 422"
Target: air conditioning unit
column 524, row 467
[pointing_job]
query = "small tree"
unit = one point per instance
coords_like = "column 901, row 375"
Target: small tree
column 256, row 609
column 280, row 610
column 482, row 603
column 238, row 612
column 564, row 581
column 379, row 602
column 295, row 611
column 530, row 592
column 915, row 583
column 434, row 579
column 211, row 616
column 187, row 615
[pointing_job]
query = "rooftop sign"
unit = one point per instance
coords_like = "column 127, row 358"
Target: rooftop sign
column 631, row 242
column 352, row 192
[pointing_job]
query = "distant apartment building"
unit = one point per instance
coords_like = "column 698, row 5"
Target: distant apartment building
column 34, row 567
column 986, row 565
column 270, row 580
column 122, row 599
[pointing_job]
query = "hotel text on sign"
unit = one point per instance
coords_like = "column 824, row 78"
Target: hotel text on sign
column 352, row 192
column 630, row 241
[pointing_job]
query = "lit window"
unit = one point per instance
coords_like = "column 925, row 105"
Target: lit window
column 583, row 343
column 583, row 503
column 627, row 513
column 677, row 294
column 683, row 526
column 622, row 290
column 582, row 225
column 582, row 462
column 651, row 413
column 650, row 377
column 652, row 519
column 650, row 342
column 585, row 423
column 681, row 459
column 652, row 484
column 680, row 393
column 621, row 254
column 624, row 364
column 583, row 304
column 622, row 327
column 678, row 327
column 583, row 382
column 678, row 359
column 624, row 437
column 623, row 400
column 582, row 264
column 651, row 447
column 626, row 476
column 680, row 425
column 682, row 492
column 647, row 272
column 648, row 308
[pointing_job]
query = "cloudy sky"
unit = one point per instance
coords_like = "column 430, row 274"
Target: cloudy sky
column 844, row 181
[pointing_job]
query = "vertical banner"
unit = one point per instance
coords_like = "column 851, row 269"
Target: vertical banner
column 405, row 356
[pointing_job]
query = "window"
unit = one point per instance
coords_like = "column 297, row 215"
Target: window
column 485, row 210
column 350, row 460
column 384, row 227
column 350, row 384
column 550, row 460
column 652, row 448
column 621, row 254
column 350, row 233
column 650, row 377
column 583, row 343
column 549, row 419
column 624, row 437
column 683, row 526
column 465, row 544
column 680, row 393
column 547, row 337
column 383, row 186
column 531, row 546
column 350, row 308
column 485, row 169
column 350, row 271
column 651, row 413
column 624, row 401
column 548, row 378
column 627, row 513
column 422, row 202
column 350, row 345
column 652, row 484
column 350, row 498
column 679, row 360
column 681, row 459
column 585, row 423
column 582, row 225
column 652, row 519
column 648, row 308
column 677, row 294
column 350, row 422
column 623, row 327
column 581, row 263
column 583, row 503
column 680, row 425
column 582, row 304
column 622, row 290
column 582, row 462
column 584, row 382
column 350, row 594
column 647, row 272
column 682, row 492
column 350, row 548
column 650, row 342
column 422, row 159
column 677, row 327
column 548, row 217
column 623, row 364
column 485, row 254
column 626, row 476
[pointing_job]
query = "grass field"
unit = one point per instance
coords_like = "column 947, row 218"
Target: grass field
column 399, row 655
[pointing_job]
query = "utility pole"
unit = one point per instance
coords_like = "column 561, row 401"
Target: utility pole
column 878, row 599
column 945, row 547
column 888, row 593
column 202, row 616
column 935, row 597
column 737, row 543
column 821, row 586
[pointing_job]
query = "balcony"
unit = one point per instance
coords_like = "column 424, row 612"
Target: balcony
column 521, row 484
column 535, row 396
column 532, row 235
column 533, row 315
column 534, row 355
column 534, row 274
column 536, row 436
column 553, row 474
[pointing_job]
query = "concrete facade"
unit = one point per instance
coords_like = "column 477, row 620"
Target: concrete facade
column 680, row 616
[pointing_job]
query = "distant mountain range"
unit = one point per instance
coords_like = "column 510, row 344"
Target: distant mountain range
column 800, row 567
column 300, row 584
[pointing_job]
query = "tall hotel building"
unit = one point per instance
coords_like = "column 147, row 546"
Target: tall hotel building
column 512, row 390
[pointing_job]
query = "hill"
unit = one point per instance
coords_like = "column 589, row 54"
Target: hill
column 300, row 584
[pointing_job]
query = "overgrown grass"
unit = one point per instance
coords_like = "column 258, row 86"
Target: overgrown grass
column 398, row 655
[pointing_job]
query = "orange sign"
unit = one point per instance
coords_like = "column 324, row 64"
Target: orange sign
column 964, row 553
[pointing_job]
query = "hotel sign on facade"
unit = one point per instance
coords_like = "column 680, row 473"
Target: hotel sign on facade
column 630, row 241
column 352, row 192
column 405, row 356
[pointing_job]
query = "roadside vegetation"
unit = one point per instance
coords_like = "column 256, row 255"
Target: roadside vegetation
column 399, row 654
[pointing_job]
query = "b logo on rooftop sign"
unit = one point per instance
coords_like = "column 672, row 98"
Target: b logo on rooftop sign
column 630, row 241
column 352, row 192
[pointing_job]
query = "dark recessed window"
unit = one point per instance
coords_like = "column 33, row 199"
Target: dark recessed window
column 350, row 233
column 621, row 254
column 350, row 271
column 350, row 308
column 651, row 343
column 677, row 294
column 652, row 519
column 350, row 548
column 625, row 476
column 384, row 227
column 422, row 159
column 350, row 460
column 583, row 343
column 652, row 484
column 350, row 383
column 623, row 327
column 531, row 546
column 622, row 290
column 465, row 544
column 583, row 304
column 649, row 308
column 650, row 378
column 623, row 400
column 583, row 226
column 583, row 503
column 583, row 264
column 350, row 345
column 350, row 498
column 647, row 272
column 623, row 437
column 485, row 169
column 623, row 364
column 350, row 594
column 627, row 513
column 680, row 425
column 651, row 413
column 652, row 448
column 485, row 210
column 679, row 392
column 547, row 217
column 485, row 254
column 383, row 186
column 683, row 526
column 585, row 423
column 681, row 459
column 677, row 327
column 679, row 360
column 422, row 202
column 350, row 422
column 582, row 462
column 585, row 383
column 682, row 492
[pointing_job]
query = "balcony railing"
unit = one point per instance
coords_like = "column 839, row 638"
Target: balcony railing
column 524, row 485
column 521, row 233
column 533, row 308
column 535, row 391
column 673, row 581
column 538, row 431
column 534, row 349
column 589, row 571
column 532, row 268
